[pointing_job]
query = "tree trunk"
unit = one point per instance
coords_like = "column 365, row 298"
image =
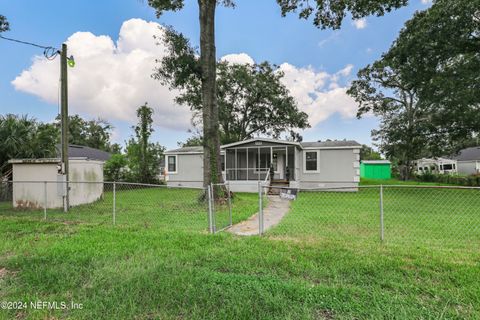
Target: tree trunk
column 212, row 171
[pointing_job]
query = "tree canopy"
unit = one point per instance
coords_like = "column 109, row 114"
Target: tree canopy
column 326, row 14
column 251, row 97
column 438, row 54
column 4, row 25
column 25, row 137
column 425, row 89
column 95, row 133
column 142, row 155
column 367, row 153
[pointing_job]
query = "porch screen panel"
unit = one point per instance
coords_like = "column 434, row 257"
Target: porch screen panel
column 230, row 164
column 263, row 163
column 252, row 164
column 241, row 169
column 291, row 164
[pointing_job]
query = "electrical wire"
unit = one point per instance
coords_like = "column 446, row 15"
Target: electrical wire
column 49, row 52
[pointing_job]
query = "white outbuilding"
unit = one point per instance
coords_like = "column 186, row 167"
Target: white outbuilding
column 38, row 182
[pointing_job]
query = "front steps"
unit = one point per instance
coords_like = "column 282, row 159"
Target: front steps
column 279, row 184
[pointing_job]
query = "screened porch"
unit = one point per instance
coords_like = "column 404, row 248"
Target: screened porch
column 253, row 163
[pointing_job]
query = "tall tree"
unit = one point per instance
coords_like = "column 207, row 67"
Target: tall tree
column 251, row 97
column 93, row 133
column 367, row 153
column 326, row 14
column 380, row 89
column 143, row 156
column 426, row 88
column 4, row 25
column 439, row 54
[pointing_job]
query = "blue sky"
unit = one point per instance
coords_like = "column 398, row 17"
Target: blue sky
column 253, row 27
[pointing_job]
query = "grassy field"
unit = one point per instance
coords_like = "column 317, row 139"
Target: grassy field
column 411, row 216
column 324, row 260
column 393, row 181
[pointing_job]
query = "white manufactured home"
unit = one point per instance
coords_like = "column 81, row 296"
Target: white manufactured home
column 322, row 164
column 436, row 165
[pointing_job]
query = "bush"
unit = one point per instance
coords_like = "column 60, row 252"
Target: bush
column 472, row 180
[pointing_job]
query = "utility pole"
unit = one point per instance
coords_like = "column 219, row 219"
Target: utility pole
column 64, row 120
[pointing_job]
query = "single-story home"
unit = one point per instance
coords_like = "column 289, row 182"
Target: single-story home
column 468, row 160
column 319, row 164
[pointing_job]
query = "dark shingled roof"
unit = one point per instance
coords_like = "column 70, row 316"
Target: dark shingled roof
column 469, row 154
column 331, row 143
column 76, row 151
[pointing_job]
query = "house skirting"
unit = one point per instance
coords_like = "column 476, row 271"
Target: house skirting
column 251, row 186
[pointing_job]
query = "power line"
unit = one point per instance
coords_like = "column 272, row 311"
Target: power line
column 49, row 52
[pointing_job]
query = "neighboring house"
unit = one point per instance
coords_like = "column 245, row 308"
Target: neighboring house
column 468, row 160
column 376, row 169
column 296, row 164
column 436, row 165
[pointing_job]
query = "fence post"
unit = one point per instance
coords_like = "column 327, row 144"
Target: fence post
column 210, row 222
column 114, row 202
column 229, row 204
column 214, row 222
column 45, row 200
column 381, row 213
column 260, row 209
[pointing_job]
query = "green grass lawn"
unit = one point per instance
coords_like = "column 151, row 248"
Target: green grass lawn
column 393, row 181
column 324, row 260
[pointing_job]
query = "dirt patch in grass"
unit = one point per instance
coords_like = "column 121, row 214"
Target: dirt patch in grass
column 4, row 272
column 324, row 314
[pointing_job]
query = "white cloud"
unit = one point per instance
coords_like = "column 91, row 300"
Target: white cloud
column 426, row 1
column 238, row 58
column 110, row 80
column 318, row 93
column 360, row 23
column 331, row 38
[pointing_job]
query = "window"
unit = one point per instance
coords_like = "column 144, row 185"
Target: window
column 447, row 166
column 172, row 164
column 311, row 161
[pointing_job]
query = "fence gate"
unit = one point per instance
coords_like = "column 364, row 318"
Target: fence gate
column 220, row 207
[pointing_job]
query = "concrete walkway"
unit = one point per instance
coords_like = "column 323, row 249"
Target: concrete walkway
column 272, row 215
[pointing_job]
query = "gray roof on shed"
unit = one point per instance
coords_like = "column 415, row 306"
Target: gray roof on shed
column 469, row 154
column 76, row 151
column 376, row 161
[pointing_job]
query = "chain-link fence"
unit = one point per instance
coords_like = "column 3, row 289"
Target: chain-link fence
column 107, row 203
column 447, row 216
column 220, row 207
